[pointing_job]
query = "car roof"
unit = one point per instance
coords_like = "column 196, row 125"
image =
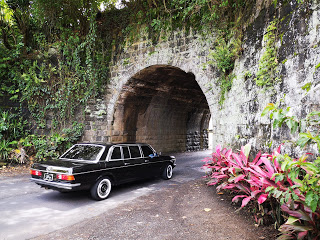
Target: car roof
column 112, row 144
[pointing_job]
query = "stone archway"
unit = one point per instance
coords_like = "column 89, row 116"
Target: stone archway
column 164, row 106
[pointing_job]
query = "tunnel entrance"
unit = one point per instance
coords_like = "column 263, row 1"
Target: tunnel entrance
column 165, row 107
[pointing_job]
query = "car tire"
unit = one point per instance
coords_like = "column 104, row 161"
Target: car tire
column 101, row 189
column 167, row 172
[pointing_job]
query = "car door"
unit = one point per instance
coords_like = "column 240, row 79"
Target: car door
column 136, row 167
column 152, row 160
column 115, row 165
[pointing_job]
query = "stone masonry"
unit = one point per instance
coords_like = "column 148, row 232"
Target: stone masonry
column 144, row 102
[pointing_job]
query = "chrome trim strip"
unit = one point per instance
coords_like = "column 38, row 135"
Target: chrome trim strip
column 68, row 186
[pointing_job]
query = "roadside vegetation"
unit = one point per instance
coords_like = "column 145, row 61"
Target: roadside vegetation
column 54, row 57
column 276, row 186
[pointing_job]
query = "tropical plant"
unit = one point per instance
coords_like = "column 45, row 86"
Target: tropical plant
column 4, row 150
column 277, row 178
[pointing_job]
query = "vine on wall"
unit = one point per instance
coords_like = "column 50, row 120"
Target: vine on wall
column 267, row 73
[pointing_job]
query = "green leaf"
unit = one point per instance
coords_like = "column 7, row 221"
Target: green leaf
column 311, row 200
column 293, row 125
column 314, row 113
column 311, row 167
column 279, row 178
column 298, row 181
column 291, row 220
column 307, row 86
column 268, row 189
column 268, row 108
column 247, row 149
column 303, row 125
column 302, row 141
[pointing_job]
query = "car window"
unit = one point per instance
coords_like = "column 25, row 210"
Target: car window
column 126, row 153
column 135, row 151
column 146, row 151
column 116, row 153
column 83, row 152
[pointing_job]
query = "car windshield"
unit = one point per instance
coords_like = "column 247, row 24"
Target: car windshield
column 83, row 152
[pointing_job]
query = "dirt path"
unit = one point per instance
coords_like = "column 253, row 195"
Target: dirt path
column 185, row 211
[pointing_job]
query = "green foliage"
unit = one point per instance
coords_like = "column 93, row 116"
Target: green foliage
column 267, row 73
column 308, row 128
column 307, row 86
column 12, row 128
column 5, row 149
column 52, row 146
column 223, row 57
column 302, row 197
column 58, row 84
column 224, row 54
column 54, row 55
column 225, row 83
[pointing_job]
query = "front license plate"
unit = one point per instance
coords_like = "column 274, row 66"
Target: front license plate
column 48, row 177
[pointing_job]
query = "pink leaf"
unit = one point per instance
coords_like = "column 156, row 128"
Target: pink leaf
column 243, row 188
column 239, row 178
column 276, row 164
column 262, row 198
column 235, row 199
column 258, row 171
column 229, row 186
column 221, row 176
column 245, row 201
column 228, row 154
column 254, row 183
column 255, row 193
column 301, row 235
column 269, row 182
column 268, row 165
column 238, row 160
column 279, row 148
column 257, row 158
column 218, row 148
column 298, row 214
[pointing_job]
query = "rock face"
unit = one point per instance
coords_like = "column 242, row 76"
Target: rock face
column 165, row 94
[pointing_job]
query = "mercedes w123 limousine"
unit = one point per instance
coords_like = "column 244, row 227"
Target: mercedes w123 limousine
column 98, row 167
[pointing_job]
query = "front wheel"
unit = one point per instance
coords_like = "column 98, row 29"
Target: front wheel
column 101, row 189
column 167, row 172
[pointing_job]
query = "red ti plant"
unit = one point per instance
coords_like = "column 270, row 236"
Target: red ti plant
column 235, row 172
column 294, row 183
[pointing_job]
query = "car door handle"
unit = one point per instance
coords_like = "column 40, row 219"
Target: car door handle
column 126, row 164
column 146, row 160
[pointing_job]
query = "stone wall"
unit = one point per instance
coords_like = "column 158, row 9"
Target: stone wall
column 239, row 121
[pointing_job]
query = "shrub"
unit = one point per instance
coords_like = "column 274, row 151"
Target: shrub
column 272, row 178
column 12, row 128
column 276, row 179
column 48, row 147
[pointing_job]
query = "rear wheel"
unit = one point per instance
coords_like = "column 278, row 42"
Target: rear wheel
column 101, row 189
column 167, row 172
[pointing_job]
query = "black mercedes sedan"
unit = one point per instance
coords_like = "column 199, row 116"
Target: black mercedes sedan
column 98, row 167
